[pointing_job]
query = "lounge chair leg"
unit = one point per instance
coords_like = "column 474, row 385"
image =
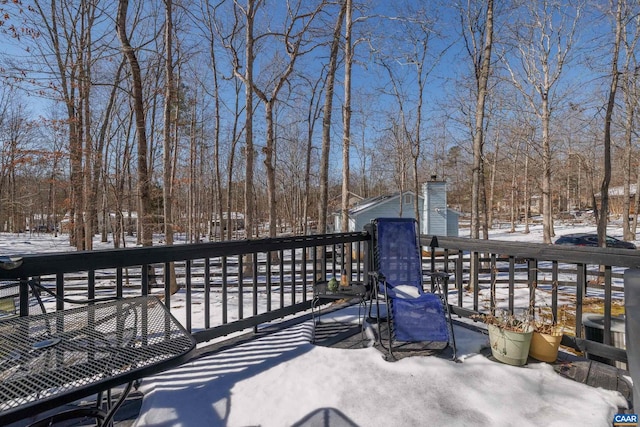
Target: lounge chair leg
column 437, row 282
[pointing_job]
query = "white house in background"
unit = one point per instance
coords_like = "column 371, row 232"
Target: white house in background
column 436, row 218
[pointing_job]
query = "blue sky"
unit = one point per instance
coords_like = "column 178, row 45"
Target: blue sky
column 445, row 84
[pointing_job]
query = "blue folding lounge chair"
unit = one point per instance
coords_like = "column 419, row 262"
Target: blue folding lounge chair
column 413, row 315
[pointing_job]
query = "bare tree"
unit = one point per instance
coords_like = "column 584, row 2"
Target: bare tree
column 85, row 52
column 99, row 165
column 425, row 62
column 121, row 191
column 213, row 30
column 326, row 121
column 346, row 121
column 346, row 139
column 293, row 39
column 312, row 116
column 479, row 50
column 235, row 136
column 62, row 26
column 606, row 179
column 144, row 193
column 8, row 212
column 167, row 160
column 543, row 40
column 14, row 151
column 210, row 35
column 514, row 184
column 630, row 91
column 249, row 13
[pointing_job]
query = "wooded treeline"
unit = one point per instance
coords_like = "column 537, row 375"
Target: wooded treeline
column 168, row 116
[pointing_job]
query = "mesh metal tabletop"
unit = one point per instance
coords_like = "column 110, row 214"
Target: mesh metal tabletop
column 51, row 359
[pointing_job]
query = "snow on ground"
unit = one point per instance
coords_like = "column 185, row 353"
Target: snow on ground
column 26, row 243
column 284, row 380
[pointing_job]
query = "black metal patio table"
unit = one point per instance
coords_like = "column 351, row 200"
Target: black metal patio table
column 355, row 290
column 52, row 359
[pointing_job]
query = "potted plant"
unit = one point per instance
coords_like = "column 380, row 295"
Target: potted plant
column 509, row 336
column 546, row 338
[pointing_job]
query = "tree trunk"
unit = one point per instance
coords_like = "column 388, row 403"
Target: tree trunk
column 415, row 149
column 527, row 191
column 345, row 279
column 514, row 187
column 216, row 138
column 270, row 167
column 236, row 136
column 492, row 182
column 167, row 161
column 67, row 63
column 484, row 208
column 630, row 81
column 547, row 219
column 90, row 203
column 144, row 196
column 482, row 76
column 346, row 119
column 478, row 136
column 98, row 162
column 249, row 204
column 606, row 179
column 323, row 200
column 312, row 116
column 636, row 202
column 628, row 135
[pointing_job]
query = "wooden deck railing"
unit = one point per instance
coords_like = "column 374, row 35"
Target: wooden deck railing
column 486, row 274
column 278, row 280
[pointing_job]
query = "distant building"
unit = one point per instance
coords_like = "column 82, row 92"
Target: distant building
column 436, row 217
column 378, row 207
column 235, row 221
column 335, row 203
column 616, row 199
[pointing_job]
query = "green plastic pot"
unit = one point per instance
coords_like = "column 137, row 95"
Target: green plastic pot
column 510, row 347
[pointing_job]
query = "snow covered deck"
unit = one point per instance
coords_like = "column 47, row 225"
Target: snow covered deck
column 278, row 377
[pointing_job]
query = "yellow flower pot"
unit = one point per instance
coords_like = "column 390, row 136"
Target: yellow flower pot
column 544, row 347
